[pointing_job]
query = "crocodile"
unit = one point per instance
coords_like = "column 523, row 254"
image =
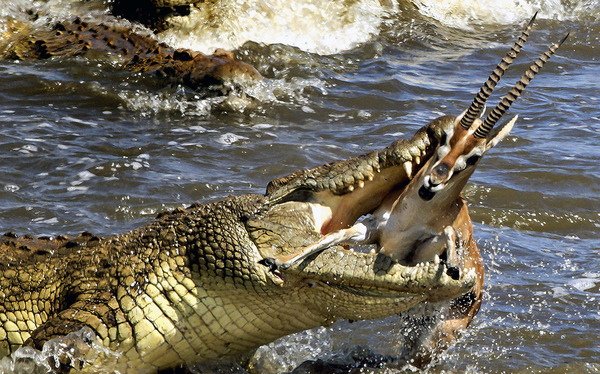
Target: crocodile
column 189, row 286
column 137, row 51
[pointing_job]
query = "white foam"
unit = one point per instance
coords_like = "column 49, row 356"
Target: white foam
column 28, row 148
column 583, row 284
column 49, row 221
column 11, row 188
column 80, row 121
column 466, row 14
column 320, row 26
column 148, row 103
column 230, row 138
column 559, row 292
column 77, row 188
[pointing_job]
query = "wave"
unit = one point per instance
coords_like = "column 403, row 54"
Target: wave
column 319, row 26
column 467, row 14
column 329, row 27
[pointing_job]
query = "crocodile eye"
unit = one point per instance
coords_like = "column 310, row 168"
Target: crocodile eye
column 473, row 160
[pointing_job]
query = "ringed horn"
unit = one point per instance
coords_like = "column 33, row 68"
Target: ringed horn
column 488, row 87
column 515, row 92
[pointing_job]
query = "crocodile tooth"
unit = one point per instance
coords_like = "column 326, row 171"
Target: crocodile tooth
column 416, row 274
column 436, row 260
column 408, row 168
column 350, row 188
column 393, row 270
column 372, row 251
column 361, row 184
column 417, row 159
column 415, row 150
column 370, row 178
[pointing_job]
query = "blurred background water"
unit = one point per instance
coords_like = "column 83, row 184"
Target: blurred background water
column 85, row 146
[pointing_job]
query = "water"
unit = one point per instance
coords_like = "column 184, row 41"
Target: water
column 84, row 146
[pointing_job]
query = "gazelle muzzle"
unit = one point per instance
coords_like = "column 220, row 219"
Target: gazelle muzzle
column 435, row 181
column 425, row 192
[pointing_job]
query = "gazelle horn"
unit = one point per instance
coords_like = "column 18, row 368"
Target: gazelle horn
column 488, row 87
column 515, row 92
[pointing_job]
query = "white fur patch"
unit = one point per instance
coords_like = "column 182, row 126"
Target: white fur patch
column 321, row 215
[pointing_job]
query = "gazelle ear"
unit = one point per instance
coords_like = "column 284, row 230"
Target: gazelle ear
column 498, row 133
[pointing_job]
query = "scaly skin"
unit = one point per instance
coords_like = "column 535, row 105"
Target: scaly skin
column 189, row 287
column 138, row 52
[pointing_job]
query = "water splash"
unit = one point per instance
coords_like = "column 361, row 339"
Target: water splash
column 49, row 11
column 80, row 348
column 318, row 26
column 148, row 103
column 289, row 352
column 466, row 14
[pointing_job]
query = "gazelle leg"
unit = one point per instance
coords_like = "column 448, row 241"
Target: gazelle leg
column 357, row 234
column 429, row 249
column 436, row 246
column 451, row 253
column 452, row 261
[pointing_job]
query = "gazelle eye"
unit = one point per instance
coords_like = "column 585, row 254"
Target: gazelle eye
column 473, row 160
column 443, row 139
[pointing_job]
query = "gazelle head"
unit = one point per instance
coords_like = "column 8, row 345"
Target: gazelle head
column 468, row 138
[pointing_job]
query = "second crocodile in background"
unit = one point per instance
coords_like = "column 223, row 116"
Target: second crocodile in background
column 137, row 51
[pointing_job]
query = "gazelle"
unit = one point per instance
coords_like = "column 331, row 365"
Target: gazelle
column 418, row 224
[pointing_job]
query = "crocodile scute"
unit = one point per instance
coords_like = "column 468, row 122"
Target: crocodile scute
column 137, row 51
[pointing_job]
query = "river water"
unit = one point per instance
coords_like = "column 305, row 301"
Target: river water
column 84, row 146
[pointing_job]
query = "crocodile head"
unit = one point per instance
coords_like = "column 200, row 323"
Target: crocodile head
column 309, row 203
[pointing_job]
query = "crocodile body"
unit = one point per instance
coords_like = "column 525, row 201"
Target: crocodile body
column 137, row 52
column 189, row 287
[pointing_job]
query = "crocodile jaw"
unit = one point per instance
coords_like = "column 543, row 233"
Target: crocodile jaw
column 333, row 197
column 393, row 287
column 342, row 211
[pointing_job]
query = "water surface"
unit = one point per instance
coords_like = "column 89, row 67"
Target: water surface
column 84, row 146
